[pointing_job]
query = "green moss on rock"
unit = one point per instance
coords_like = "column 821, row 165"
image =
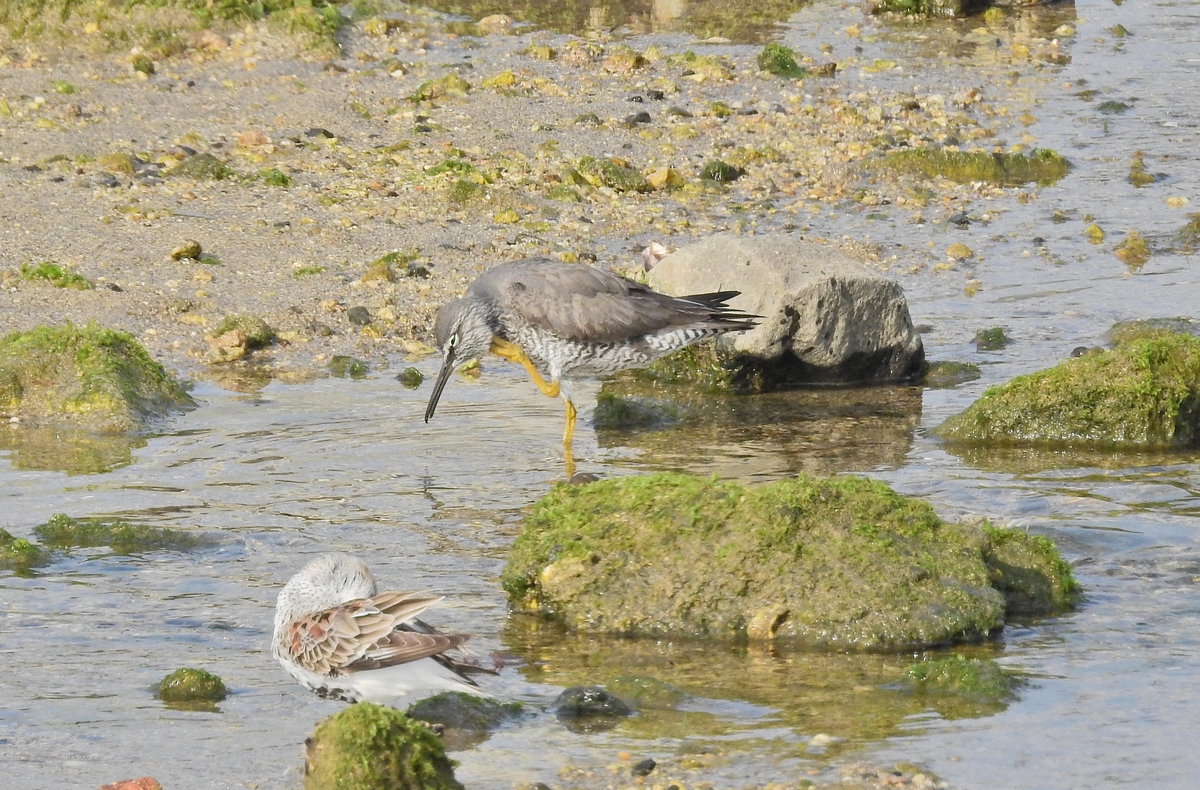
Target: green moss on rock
column 18, row 554
column 841, row 562
column 1145, row 393
column 258, row 332
column 781, row 61
column 372, row 747
column 88, row 377
column 54, row 274
column 191, row 685
column 721, row 172
column 1040, row 165
column 1029, row 571
column 346, row 367
column 203, row 167
column 461, row 711
column 1127, row 331
column 972, row 678
column 612, row 174
column 992, row 339
column 123, row 537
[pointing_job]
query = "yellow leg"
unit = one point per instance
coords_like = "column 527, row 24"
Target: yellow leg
column 513, row 353
column 570, row 430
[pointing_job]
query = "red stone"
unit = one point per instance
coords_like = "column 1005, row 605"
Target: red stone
column 143, row 783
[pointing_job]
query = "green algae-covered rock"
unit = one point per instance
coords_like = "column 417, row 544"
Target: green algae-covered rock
column 62, row 531
column 614, row 412
column 18, row 554
column 258, row 332
column 86, row 377
column 1144, row 393
column 980, row 680
column 1128, row 331
column 781, row 61
column 1029, row 571
column 612, row 174
column 191, row 685
column 840, row 562
column 461, row 711
column 1041, row 165
column 944, row 375
column 373, row 747
column 203, row 167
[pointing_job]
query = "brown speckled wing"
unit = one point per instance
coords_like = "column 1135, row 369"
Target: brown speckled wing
column 342, row 638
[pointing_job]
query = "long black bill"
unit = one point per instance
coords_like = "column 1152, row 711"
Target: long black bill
column 440, row 384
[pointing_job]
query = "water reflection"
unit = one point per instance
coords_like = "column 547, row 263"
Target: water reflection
column 815, row 431
column 51, row 449
column 855, row 696
column 739, row 22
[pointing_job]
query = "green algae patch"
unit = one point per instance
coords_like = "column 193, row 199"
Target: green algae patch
column 1040, row 165
column 191, row 685
column 839, row 562
column 701, row 365
column 123, row 537
column 19, row 555
column 258, row 332
column 458, row 710
column 53, row 448
column 1029, row 571
column 86, row 377
column 721, row 172
column 347, row 367
column 447, row 85
column 779, row 60
column 613, row 174
column 975, row 679
column 55, row 275
column 1188, row 237
column 373, row 747
column 1142, row 394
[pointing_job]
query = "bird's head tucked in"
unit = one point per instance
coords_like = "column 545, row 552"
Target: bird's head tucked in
column 328, row 581
column 464, row 331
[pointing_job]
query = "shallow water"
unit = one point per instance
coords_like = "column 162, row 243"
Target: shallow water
column 290, row 471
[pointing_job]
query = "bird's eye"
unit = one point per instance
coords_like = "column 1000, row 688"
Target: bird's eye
column 453, row 341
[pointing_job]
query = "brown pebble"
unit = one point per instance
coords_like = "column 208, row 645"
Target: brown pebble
column 142, row 783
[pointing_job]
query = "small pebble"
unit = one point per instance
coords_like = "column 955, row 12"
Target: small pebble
column 359, row 315
column 644, row 767
column 636, row 118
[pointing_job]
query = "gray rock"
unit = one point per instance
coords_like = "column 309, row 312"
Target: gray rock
column 827, row 318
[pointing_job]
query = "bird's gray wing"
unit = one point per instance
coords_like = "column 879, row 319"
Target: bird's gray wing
column 593, row 306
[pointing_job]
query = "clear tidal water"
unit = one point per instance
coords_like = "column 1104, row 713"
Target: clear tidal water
column 290, row 471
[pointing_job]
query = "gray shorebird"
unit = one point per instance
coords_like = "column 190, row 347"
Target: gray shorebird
column 567, row 321
column 342, row 639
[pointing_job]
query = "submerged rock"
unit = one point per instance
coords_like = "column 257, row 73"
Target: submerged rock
column 62, row 531
column 18, row 554
column 590, row 709
column 944, row 375
column 457, row 710
column 1144, row 393
column 1028, row 570
column 191, row 685
column 836, row 562
column 373, row 747
column 84, row 377
column 826, row 317
column 928, row 8
column 979, row 680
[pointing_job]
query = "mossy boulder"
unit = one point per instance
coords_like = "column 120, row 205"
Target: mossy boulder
column 840, row 562
column 85, row 377
column 123, row 537
column 1040, row 165
column 191, row 685
column 18, row 554
column 1128, row 331
column 1144, row 394
column 373, row 747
